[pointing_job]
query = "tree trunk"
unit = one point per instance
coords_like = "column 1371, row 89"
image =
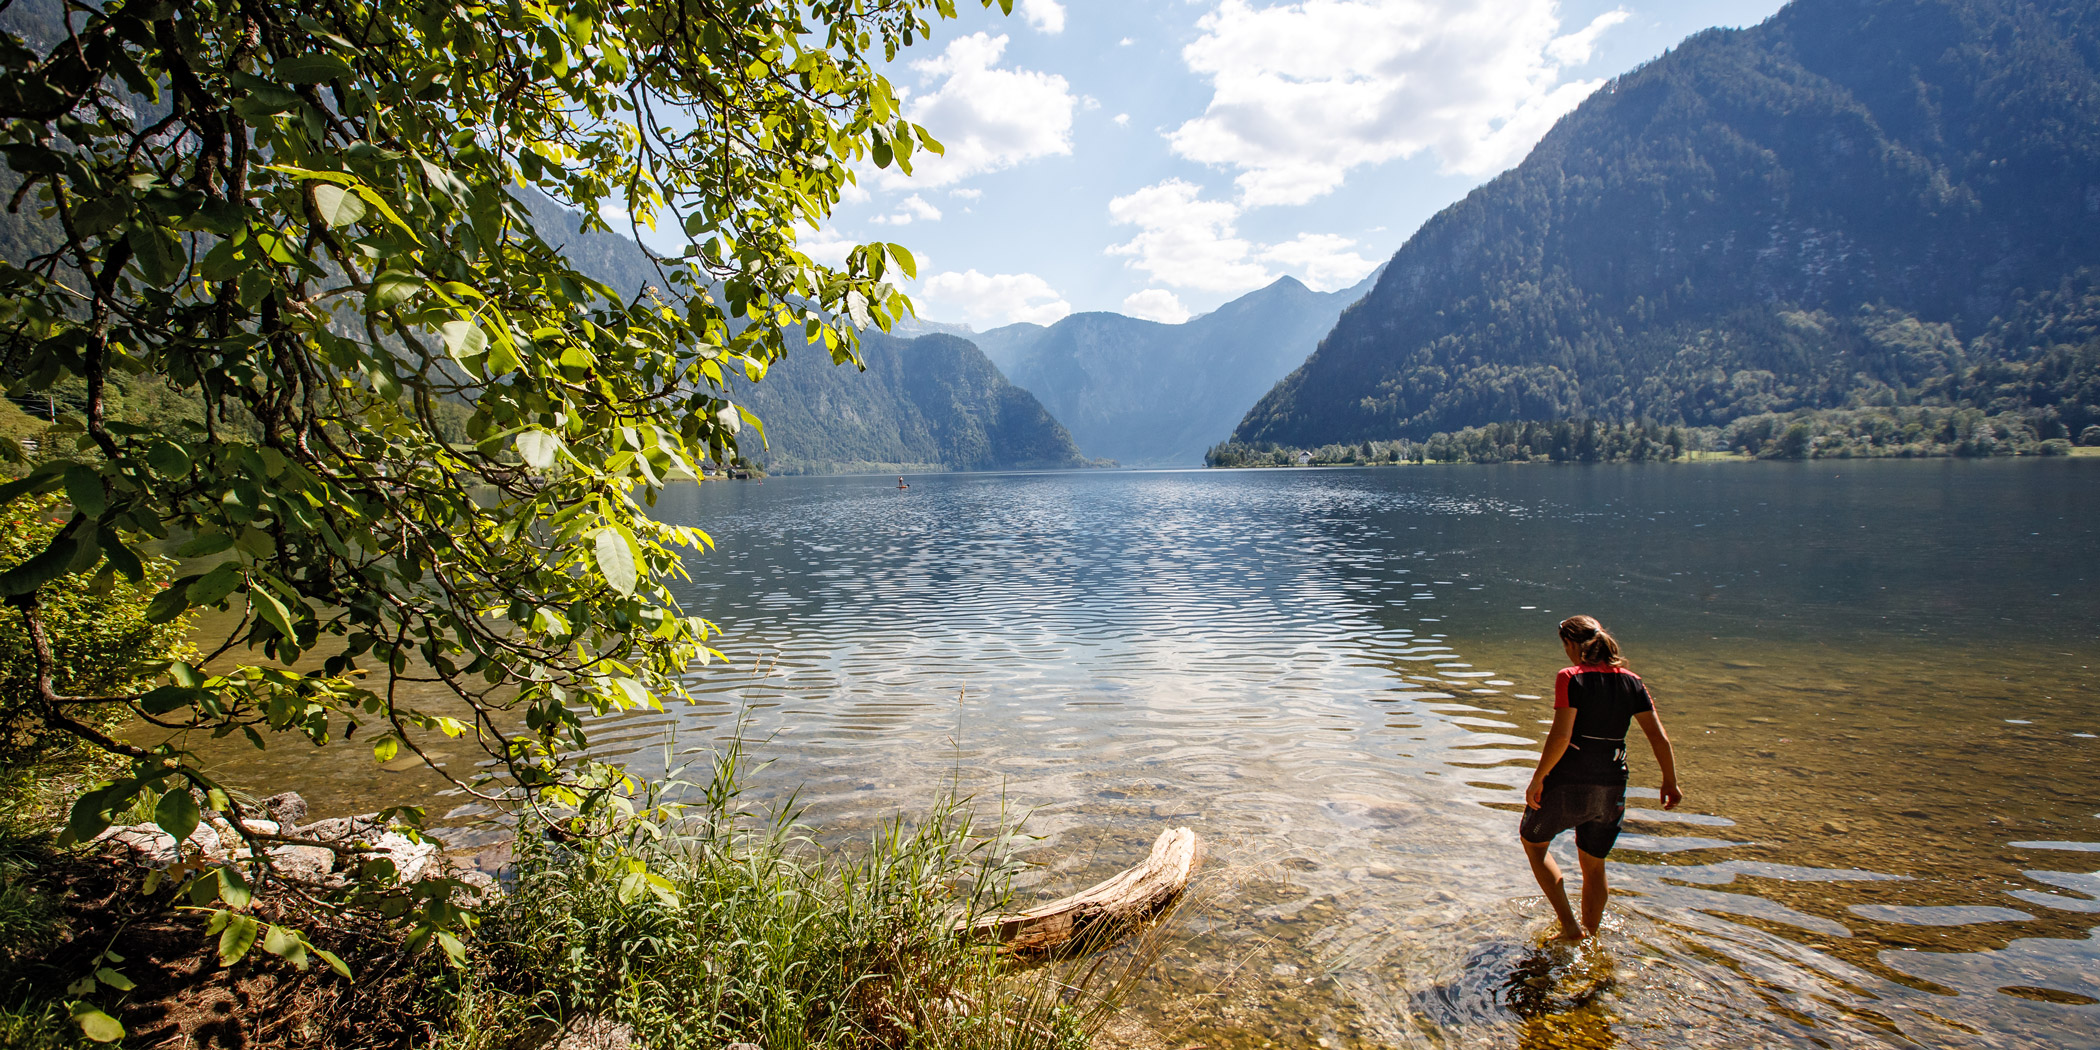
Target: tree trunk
column 1096, row 915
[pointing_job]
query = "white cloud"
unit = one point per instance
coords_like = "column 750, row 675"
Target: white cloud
column 853, row 193
column 1324, row 261
column 1156, row 304
column 1304, row 92
column 968, row 194
column 1122, row 120
column 1575, row 48
column 911, row 208
column 1185, row 241
column 826, row 247
column 1045, row 16
column 1125, row 42
column 990, row 300
column 987, row 119
column 1188, row 242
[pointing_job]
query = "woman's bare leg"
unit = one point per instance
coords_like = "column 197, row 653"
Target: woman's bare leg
column 1544, row 869
column 1594, row 890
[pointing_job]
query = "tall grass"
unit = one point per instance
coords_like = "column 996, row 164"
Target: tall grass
column 722, row 922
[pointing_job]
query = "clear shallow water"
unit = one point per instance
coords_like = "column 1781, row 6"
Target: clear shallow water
column 1879, row 676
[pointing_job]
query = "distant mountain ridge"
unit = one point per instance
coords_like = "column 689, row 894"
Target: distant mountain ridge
column 1857, row 202
column 1146, row 393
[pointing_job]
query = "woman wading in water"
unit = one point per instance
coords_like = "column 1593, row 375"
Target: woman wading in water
column 1581, row 779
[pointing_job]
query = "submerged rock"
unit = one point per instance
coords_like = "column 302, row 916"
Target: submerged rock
column 286, row 808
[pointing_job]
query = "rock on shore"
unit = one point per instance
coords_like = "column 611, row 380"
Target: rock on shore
column 216, row 840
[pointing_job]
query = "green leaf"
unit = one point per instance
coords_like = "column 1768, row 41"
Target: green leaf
column 904, row 260
column 882, row 152
column 333, row 962
column 311, row 69
column 157, row 253
column 168, row 604
column 177, row 813
column 614, row 551
column 338, row 206
column 631, row 691
column 503, row 359
column 455, row 952
column 93, row 811
column 385, row 748
column 168, row 459
column 213, row 587
column 45, row 566
column 287, row 945
column 391, row 288
column 464, row 340
column 264, row 98
column 538, row 448
column 84, row 488
column 171, row 698
column 114, row 979
column 233, row 887
column 754, row 422
column 271, row 610
column 96, row 1025
column 238, row 937
column 121, row 557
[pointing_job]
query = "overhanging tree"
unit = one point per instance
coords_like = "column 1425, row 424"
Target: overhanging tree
column 305, row 218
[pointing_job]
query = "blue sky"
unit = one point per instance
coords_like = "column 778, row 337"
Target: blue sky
column 1160, row 157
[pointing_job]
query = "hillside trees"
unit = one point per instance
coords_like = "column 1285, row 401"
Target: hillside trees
column 427, row 442
column 1855, row 202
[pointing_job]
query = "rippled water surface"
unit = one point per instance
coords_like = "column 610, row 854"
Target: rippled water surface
column 1879, row 676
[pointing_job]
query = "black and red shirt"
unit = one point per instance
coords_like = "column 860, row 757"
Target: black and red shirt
column 1605, row 700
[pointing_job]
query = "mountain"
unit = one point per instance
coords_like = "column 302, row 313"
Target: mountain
column 1006, row 345
column 1855, row 203
column 925, row 404
column 1151, row 394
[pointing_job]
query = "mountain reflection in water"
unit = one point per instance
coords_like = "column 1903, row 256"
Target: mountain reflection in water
column 1879, row 677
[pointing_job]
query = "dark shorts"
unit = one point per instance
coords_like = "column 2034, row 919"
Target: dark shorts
column 1593, row 810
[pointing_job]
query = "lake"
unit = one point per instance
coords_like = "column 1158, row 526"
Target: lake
column 1879, row 676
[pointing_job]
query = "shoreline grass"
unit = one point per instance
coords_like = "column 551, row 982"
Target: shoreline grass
column 687, row 925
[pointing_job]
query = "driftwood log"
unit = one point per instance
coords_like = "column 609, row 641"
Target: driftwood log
column 1093, row 916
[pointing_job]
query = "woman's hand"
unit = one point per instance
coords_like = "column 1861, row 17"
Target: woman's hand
column 1534, row 796
column 1670, row 795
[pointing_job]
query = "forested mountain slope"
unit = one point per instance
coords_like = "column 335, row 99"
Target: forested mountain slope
column 1145, row 393
column 931, row 403
column 1857, row 202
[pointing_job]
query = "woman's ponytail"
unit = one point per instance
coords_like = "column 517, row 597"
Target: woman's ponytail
column 1592, row 642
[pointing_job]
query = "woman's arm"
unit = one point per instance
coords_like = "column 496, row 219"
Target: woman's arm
column 1556, row 746
column 1664, row 757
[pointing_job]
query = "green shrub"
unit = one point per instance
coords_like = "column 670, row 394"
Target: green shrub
column 39, row 1024
column 101, row 645
column 738, row 927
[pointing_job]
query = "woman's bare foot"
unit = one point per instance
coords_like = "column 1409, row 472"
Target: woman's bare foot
column 1571, row 935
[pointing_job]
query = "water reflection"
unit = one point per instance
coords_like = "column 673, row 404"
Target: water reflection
column 1878, row 683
